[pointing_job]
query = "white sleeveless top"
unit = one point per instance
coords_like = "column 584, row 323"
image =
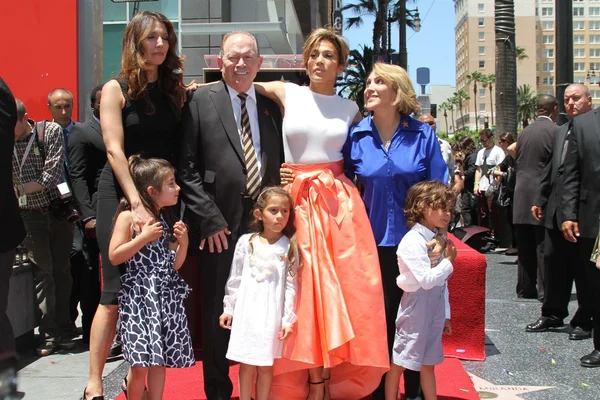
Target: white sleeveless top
column 315, row 126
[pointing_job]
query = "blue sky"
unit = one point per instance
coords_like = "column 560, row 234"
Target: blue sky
column 432, row 47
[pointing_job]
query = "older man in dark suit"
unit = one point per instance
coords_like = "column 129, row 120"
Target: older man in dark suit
column 581, row 209
column 87, row 157
column 561, row 258
column 533, row 151
column 220, row 181
column 13, row 231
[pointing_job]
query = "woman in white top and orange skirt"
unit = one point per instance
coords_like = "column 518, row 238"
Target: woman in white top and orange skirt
column 340, row 335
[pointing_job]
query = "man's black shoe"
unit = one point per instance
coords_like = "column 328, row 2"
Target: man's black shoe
column 115, row 351
column 543, row 324
column 592, row 360
column 580, row 334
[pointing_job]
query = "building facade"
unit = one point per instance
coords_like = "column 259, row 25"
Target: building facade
column 280, row 26
column 476, row 51
column 586, row 45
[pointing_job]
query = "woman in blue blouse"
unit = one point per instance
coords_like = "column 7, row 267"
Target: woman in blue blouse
column 388, row 152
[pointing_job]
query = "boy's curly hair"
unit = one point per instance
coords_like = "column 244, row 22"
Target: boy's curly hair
column 424, row 195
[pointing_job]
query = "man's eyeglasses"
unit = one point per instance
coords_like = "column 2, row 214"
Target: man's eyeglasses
column 483, row 140
column 430, row 123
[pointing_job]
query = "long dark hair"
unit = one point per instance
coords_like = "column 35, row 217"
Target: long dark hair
column 134, row 64
column 467, row 145
column 256, row 225
column 146, row 172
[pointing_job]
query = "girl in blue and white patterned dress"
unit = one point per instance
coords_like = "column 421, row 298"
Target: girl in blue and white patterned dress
column 153, row 323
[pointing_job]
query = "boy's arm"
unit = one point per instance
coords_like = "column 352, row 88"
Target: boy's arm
column 417, row 261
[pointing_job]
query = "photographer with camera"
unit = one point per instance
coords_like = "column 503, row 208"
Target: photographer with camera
column 47, row 209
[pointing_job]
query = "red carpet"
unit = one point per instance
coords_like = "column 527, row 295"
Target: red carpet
column 453, row 383
column 467, row 302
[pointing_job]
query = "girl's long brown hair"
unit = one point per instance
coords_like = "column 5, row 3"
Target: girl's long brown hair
column 256, row 225
column 134, row 64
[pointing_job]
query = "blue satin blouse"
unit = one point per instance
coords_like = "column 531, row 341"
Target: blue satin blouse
column 414, row 155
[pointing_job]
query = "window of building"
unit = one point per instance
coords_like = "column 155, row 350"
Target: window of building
column 547, row 11
column 480, row 7
column 594, row 53
column 481, row 22
column 549, row 39
column 482, row 92
column 482, row 50
column 548, row 67
column 548, row 53
column 579, row 53
column 594, row 38
column 579, row 66
column 481, row 64
column 577, row 39
column 578, row 25
column 548, row 25
column 595, row 66
column 594, row 25
column 548, row 81
column 579, row 79
column 481, row 36
column 594, row 11
column 578, row 11
column 481, row 106
column 595, row 94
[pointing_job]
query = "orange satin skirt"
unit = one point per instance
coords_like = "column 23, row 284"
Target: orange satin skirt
column 341, row 316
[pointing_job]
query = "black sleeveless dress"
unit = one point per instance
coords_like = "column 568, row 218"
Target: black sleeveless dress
column 149, row 130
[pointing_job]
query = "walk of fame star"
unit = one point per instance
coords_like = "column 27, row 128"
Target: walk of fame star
column 488, row 390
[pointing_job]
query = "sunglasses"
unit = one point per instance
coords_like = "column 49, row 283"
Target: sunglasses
column 502, row 140
column 430, row 123
column 483, row 140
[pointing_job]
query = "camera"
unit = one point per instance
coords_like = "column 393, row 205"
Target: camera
column 65, row 209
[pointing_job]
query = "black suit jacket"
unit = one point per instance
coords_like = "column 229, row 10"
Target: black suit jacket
column 87, row 157
column 533, row 152
column 549, row 192
column 13, row 231
column 581, row 187
column 212, row 171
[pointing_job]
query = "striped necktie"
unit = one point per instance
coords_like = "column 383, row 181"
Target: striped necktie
column 252, row 176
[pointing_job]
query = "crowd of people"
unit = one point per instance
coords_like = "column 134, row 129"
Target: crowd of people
column 321, row 246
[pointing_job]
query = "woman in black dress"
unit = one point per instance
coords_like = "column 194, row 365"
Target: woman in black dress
column 468, row 205
column 139, row 113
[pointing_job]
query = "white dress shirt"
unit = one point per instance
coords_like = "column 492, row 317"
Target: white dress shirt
column 251, row 107
column 415, row 267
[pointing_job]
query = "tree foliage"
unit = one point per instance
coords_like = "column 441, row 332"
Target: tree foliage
column 353, row 82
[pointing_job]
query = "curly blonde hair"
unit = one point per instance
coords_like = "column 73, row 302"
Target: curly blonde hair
column 134, row 64
column 425, row 195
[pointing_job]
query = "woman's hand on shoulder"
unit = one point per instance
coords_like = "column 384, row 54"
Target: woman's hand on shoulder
column 151, row 231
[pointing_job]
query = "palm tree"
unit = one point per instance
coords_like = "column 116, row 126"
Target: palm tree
column 520, row 53
column 506, row 66
column 460, row 98
column 475, row 77
column 376, row 8
column 490, row 80
column 451, row 104
column 526, row 104
column 445, row 106
column 354, row 80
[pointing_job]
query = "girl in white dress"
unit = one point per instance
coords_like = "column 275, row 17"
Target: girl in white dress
column 260, row 295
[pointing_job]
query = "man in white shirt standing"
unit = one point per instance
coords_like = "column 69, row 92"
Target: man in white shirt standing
column 487, row 158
